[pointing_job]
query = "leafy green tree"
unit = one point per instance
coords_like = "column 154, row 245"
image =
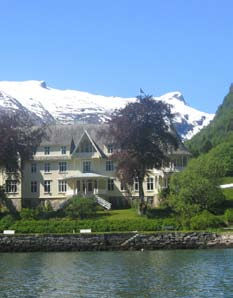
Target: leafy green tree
column 224, row 154
column 196, row 188
column 144, row 133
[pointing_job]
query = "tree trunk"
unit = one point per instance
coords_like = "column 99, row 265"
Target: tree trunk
column 142, row 204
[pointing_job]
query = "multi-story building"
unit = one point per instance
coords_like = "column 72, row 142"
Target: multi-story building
column 76, row 159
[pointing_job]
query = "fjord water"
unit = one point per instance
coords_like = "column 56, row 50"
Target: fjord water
column 177, row 273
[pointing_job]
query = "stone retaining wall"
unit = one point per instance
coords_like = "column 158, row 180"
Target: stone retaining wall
column 124, row 241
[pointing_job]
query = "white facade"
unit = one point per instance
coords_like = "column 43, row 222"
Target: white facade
column 63, row 168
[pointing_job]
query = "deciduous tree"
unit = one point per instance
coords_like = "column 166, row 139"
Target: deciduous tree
column 19, row 138
column 196, row 188
column 143, row 133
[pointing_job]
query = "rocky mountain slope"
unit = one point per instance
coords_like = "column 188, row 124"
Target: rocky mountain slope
column 47, row 104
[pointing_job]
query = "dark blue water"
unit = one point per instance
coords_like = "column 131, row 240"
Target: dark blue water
column 180, row 273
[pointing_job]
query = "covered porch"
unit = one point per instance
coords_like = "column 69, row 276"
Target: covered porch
column 87, row 184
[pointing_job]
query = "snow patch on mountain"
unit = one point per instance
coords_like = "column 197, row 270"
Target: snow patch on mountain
column 66, row 106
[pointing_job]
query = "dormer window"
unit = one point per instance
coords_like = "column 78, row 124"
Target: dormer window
column 86, row 147
column 46, row 150
column 63, row 149
column 11, row 169
column 110, row 148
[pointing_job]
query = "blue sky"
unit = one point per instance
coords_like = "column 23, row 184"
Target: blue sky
column 116, row 47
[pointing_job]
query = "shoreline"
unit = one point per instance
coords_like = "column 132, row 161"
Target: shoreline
column 114, row 242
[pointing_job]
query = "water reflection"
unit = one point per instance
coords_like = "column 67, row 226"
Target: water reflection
column 181, row 273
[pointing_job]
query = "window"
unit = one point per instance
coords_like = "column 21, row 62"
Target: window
column 110, row 148
column 62, row 166
column 86, row 166
column 86, row 147
column 33, row 168
column 11, row 169
column 33, row 186
column 150, row 183
column 34, row 151
column 63, row 149
column 46, row 150
column 109, row 165
column 62, row 186
column 47, row 167
column 47, row 186
column 136, row 184
column 11, row 186
column 122, row 186
column 110, row 184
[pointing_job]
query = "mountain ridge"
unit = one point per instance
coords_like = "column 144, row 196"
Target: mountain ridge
column 65, row 106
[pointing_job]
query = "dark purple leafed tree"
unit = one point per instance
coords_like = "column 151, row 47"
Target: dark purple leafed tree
column 143, row 132
column 19, row 138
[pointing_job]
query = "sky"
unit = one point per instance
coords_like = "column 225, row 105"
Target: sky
column 116, row 47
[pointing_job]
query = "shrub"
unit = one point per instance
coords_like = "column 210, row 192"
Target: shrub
column 228, row 216
column 26, row 214
column 100, row 225
column 171, row 224
column 119, row 202
column 7, row 222
column 206, row 220
column 81, row 208
column 161, row 212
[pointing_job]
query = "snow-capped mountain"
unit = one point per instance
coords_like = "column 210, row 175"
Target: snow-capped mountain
column 65, row 106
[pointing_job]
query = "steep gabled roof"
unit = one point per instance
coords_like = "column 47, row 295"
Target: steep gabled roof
column 85, row 134
column 70, row 135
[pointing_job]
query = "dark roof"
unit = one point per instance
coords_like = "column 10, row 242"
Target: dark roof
column 62, row 135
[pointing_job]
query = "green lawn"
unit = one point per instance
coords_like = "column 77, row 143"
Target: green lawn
column 227, row 180
column 229, row 191
column 119, row 214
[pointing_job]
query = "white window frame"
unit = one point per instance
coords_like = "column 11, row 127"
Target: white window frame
column 136, row 184
column 62, row 166
column 86, row 166
column 110, row 148
column 11, row 186
column 63, row 149
column 62, row 185
column 47, row 186
column 47, row 150
column 47, row 167
column 109, row 165
column 110, row 184
column 122, row 187
column 150, row 183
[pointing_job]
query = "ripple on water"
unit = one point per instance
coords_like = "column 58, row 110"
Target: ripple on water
column 177, row 273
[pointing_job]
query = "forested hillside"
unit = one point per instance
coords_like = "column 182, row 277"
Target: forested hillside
column 219, row 131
